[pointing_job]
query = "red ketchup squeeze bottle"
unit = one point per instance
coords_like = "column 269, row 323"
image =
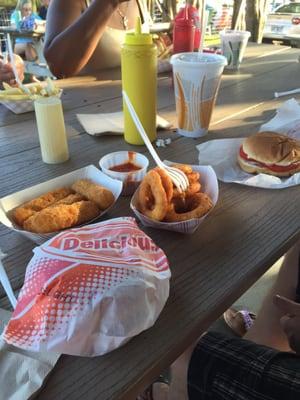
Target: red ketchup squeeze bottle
column 192, row 14
column 183, row 33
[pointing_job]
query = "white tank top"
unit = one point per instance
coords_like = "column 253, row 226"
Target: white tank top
column 107, row 54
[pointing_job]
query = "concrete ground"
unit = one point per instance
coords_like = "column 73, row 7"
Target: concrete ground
column 252, row 299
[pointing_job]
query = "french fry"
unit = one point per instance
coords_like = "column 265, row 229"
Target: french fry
column 36, row 89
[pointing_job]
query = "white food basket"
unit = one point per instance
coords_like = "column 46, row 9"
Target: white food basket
column 8, row 203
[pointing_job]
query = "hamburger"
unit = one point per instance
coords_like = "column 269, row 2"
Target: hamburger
column 270, row 153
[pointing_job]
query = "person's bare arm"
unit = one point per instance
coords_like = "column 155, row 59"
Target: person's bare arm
column 72, row 35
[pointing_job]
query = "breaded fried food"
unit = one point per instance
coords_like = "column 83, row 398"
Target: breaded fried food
column 20, row 215
column 72, row 198
column 26, row 210
column 94, row 192
column 62, row 216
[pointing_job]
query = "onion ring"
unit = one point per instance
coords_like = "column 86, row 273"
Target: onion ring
column 166, row 182
column 193, row 177
column 183, row 167
column 152, row 188
column 193, row 188
column 198, row 205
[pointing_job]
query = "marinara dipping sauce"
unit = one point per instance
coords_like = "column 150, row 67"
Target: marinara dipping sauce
column 125, row 167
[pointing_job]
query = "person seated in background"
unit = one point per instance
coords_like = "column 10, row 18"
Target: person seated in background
column 6, row 71
column 43, row 9
column 264, row 364
column 86, row 36
column 23, row 45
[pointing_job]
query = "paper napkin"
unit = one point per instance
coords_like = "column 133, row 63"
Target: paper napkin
column 22, row 372
column 110, row 123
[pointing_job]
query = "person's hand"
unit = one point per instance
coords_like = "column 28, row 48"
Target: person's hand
column 290, row 322
column 6, row 71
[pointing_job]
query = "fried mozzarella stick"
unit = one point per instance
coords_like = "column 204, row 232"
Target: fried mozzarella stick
column 26, row 210
column 72, row 198
column 61, row 216
column 94, row 192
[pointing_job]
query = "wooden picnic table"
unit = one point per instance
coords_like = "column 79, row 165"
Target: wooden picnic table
column 248, row 230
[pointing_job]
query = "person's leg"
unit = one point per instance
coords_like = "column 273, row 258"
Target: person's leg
column 267, row 330
column 20, row 49
column 30, row 53
column 225, row 367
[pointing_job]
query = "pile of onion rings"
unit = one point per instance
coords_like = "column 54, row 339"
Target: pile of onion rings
column 160, row 200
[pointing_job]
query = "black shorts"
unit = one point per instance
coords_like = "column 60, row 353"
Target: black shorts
column 226, row 368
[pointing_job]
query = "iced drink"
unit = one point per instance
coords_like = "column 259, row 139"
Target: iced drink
column 196, row 82
column 233, row 45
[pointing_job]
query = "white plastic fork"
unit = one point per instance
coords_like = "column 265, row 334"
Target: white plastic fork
column 12, row 61
column 177, row 176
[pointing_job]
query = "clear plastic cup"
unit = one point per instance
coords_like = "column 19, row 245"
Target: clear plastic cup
column 233, row 44
column 196, row 82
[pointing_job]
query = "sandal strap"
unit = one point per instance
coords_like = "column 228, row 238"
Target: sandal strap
column 248, row 318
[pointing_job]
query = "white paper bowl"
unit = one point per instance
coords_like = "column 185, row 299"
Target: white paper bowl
column 131, row 180
column 209, row 185
column 8, row 203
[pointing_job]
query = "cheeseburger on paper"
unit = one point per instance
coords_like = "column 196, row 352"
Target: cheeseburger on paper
column 270, row 153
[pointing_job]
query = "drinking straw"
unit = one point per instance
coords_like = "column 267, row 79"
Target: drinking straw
column 5, row 282
column 279, row 94
column 204, row 20
column 239, row 14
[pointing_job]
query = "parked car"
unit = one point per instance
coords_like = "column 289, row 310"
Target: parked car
column 284, row 24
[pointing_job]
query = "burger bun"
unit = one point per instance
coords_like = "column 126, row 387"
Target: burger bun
column 273, row 149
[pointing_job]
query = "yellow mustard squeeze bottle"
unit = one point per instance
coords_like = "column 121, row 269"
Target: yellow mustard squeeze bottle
column 139, row 80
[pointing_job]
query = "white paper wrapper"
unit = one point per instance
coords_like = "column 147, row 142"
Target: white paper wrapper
column 21, row 106
column 89, row 290
column 14, row 200
column 222, row 154
column 209, row 185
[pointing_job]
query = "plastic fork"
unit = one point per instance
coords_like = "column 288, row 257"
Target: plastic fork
column 12, row 61
column 177, row 176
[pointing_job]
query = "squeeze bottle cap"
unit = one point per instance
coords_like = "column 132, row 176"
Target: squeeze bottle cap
column 137, row 37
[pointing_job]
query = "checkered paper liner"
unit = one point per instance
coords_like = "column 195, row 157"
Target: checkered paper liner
column 21, row 106
column 209, row 185
column 8, row 203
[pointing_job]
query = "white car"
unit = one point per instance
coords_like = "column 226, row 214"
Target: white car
column 284, row 23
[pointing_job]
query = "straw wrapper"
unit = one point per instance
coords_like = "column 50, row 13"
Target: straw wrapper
column 8, row 203
column 222, row 154
column 5, row 282
column 209, row 185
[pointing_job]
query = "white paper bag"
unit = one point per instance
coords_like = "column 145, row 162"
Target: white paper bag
column 89, row 290
column 22, row 372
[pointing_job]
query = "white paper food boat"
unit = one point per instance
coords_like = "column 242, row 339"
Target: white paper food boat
column 14, row 200
column 22, row 106
column 209, row 185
